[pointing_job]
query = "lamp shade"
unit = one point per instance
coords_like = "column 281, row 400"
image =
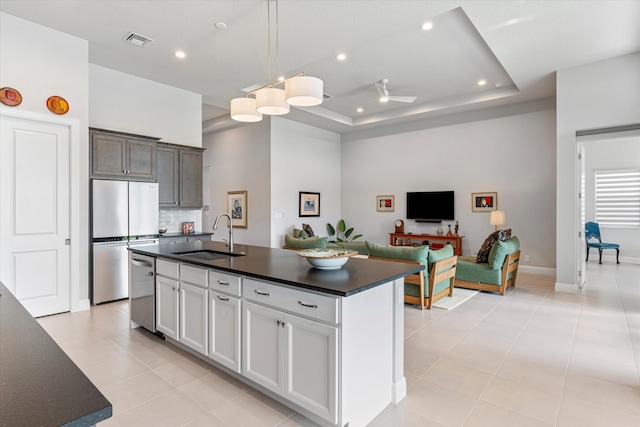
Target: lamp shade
column 496, row 218
column 244, row 110
column 271, row 101
column 304, row 91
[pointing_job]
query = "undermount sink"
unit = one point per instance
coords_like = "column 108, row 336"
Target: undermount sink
column 208, row 255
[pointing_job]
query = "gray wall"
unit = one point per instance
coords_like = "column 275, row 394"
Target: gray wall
column 239, row 160
column 513, row 156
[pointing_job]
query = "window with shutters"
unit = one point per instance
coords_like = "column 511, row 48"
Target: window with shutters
column 618, row 198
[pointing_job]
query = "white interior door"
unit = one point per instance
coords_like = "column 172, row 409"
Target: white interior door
column 35, row 213
column 582, row 246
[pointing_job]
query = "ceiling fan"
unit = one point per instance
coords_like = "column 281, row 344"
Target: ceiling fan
column 381, row 87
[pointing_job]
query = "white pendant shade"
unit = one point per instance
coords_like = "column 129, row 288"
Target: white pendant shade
column 271, row 101
column 244, row 110
column 304, row 91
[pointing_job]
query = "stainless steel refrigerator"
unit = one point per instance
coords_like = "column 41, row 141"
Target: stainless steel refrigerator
column 123, row 214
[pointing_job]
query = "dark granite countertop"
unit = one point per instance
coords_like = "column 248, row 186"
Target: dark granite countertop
column 286, row 267
column 39, row 384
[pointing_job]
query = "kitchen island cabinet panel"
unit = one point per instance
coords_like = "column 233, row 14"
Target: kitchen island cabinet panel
column 167, row 306
column 311, row 361
column 224, row 329
column 193, row 317
column 262, row 349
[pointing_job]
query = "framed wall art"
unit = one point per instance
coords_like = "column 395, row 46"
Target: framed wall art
column 309, row 203
column 237, row 208
column 484, row 202
column 385, row 203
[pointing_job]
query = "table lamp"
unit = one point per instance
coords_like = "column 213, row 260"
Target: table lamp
column 496, row 218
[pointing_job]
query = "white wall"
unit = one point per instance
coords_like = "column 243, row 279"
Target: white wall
column 122, row 102
column 599, row 95
column 513, row 156
column 238, row 160
column 40, row 62
column 598, row 155
column 303, row 158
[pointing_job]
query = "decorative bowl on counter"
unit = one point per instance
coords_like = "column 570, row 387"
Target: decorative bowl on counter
column 327, row 259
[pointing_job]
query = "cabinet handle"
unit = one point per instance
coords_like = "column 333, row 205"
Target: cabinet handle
column 222, row 298
column 223, row 283
column 149, row 273
column 307, row 305
column 264, row 294
column 279, row 322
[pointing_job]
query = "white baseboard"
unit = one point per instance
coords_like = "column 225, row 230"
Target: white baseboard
column 623, row 259
column 566, row 288
column 537, row 270
column 82, row 305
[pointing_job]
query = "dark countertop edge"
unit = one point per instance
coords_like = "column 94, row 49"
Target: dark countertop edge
column 91, row 419
column 180, row 234
column 43, row 385
column 194, row 261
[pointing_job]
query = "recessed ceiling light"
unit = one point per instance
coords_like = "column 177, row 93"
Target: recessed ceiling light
column 384, row 99
column 359, row 109
column 482, row 82
column 426, row 26
column 179, row 54
column 341, row 57
column 221, row 25
column 281, row 78
column 498, row 84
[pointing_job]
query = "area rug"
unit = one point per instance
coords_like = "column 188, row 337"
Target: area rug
column 460, row 295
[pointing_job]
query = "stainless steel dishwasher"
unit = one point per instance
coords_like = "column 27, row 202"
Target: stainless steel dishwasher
column 142, row 300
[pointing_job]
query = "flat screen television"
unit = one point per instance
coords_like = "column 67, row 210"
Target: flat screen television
column 430, row 206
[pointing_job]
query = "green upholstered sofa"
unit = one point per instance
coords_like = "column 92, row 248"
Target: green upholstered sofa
column 291, row 242
column 497, row 274
column 434, row 282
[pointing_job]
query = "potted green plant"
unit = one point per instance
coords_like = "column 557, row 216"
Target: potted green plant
column 341, row 232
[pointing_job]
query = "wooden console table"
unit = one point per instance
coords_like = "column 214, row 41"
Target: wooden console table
column 435, row 242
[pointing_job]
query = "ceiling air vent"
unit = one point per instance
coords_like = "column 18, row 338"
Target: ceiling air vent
column 137, row 39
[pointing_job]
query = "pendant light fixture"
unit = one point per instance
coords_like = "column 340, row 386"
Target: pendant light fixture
column 300, row 90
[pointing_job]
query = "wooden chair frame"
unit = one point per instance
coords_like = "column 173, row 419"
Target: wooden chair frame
column 510, row 265
column 434, row 277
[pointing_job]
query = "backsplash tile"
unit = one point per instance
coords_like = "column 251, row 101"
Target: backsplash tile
column 172, row 219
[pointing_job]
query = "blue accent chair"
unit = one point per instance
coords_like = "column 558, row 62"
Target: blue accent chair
column 592, row 231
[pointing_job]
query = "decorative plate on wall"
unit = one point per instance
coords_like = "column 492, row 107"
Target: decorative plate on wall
column 9, row 96
column 57, row 105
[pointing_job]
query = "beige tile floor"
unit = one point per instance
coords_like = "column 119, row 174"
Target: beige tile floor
column 532, row 358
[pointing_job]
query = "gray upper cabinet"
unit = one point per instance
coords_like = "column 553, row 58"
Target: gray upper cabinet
column 122, row 156
column 180, row 176
column 168, row 176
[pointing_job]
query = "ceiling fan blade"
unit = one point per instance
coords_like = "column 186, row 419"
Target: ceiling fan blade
column 408, row 99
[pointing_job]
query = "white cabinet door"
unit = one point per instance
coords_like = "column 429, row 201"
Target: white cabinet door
column 311, row 359
column 224, row 330
column 262, row 335
column 167, row 306
column 193, row 317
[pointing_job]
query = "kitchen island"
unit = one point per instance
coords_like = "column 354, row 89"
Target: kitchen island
column 327, row 343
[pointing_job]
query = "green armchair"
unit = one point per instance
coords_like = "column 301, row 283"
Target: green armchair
column 439, row 273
